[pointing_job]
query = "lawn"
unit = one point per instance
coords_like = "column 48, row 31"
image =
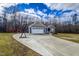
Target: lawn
column 10, row 47
column 68, row 36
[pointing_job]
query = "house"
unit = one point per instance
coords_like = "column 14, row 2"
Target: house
column 51, row 29
column 40, row 28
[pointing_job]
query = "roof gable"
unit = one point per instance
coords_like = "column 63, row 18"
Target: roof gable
column 37, row 24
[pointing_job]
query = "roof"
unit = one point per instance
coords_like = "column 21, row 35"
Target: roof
column 51, row 26
column 37, row 24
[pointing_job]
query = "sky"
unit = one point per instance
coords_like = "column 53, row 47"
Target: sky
column 42, row 10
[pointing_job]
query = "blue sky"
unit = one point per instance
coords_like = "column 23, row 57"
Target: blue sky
column 20, row 7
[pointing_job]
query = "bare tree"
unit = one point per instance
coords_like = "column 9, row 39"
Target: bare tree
column 24, row 28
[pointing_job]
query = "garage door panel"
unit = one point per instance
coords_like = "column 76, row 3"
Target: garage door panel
column 40, row 31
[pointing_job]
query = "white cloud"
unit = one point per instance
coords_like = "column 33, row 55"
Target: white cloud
column 30, row 11
column 9, row 17
column 40, row 13
column 54, row 5
column 63, row 5
column 2, row 5
column 51, row 15
column 44, row 10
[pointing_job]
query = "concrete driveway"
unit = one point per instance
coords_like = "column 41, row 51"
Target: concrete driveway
column 48, row 45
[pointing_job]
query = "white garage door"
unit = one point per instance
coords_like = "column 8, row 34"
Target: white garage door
column 37, row 31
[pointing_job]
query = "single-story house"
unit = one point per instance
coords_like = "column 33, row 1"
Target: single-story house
column 40, row 28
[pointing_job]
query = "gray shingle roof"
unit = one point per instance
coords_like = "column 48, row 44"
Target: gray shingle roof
column 51, row 26
column 37, row 24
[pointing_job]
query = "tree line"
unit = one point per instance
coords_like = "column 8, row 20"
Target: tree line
column 17, row 25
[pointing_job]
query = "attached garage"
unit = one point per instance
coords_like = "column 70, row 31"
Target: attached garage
column 37, row 28
column 40, row 28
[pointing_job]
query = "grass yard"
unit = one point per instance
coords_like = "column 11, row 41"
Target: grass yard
column 68, row 36
column 10, row 47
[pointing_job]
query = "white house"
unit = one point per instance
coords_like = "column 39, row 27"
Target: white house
column 40, row 28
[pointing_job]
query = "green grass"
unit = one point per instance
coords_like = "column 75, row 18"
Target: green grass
column 10, row 47
column 68, row 36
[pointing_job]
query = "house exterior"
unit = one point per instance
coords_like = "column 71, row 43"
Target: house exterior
column 52, row 29
column 40, row 28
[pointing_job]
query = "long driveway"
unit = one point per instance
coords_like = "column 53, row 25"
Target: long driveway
column 48, row 45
